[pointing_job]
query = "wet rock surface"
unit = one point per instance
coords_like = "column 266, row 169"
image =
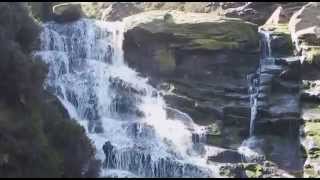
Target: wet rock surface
column 210, row 83
column 67, row 12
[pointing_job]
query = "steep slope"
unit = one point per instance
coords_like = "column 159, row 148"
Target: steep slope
column 37, row 138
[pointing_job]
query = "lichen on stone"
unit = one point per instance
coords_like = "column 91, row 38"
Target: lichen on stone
column 254, row 170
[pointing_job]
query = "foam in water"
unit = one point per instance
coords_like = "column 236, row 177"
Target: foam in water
column 124, row 116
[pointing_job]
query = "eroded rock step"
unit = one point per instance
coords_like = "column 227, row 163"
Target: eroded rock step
column 278, row 97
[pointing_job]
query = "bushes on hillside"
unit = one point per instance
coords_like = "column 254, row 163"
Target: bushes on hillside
column 37, row 138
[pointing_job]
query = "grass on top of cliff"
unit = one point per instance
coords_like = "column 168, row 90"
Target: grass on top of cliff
column 281, row 28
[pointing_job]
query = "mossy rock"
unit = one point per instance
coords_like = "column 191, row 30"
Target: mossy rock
column 309, row 172
column 42, row 11
column 166, row 60
column 306, row 84
column 254, row 170
column 212, row 44
column 216, row 140
column 67, row 12
column 281, row 28
column 232, row 170
column 312, row 54
column 313, row 131
column 281, row 42
column 314, row 153
column 194, row 31
column 92, row 10
column 168, row 18
column 214, row 134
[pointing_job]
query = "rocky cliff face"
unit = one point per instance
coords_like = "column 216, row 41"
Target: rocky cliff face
column 255, row 12
column 304, row 28
column 203, row 61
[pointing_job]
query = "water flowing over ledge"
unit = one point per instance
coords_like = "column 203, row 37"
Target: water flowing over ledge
column 123, row 115
column 250, row 147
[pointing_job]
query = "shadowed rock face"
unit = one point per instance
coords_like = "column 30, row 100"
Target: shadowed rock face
column 250, row 11
column 67, row 12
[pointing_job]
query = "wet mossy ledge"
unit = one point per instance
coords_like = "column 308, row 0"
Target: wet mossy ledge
column 195, row 31
column 281, row 41
column 205, row 59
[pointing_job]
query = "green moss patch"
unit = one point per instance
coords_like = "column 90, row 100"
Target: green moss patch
column 254, row 170
column 312, row 54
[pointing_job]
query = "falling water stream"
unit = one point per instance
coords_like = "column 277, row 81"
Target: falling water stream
column 250, row 147
column 123, row 115
column 255, row 79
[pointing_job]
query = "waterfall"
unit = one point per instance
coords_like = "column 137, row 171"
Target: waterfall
column 124, row 116
column 250, row 147
column 254, row 79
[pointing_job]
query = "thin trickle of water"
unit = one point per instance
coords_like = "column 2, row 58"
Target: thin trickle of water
column 247, row 148
column 253, row 104
column 125, row 117
column 255, row 78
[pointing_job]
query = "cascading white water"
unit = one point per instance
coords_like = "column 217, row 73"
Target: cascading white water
column 123, row 115
column 249, row 148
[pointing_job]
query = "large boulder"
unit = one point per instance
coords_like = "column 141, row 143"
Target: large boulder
column 280, row 38
column 205, row 58
column 277, row 17
column 197, row 30
column 163, row 34
column 227, row 156
column 250, row 11
column 67, row 12
column 304, row 26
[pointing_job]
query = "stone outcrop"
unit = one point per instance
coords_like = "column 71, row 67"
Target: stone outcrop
column 310, row 115
column 255, row 12
column 67, row 12
column 206, row 75
column 187, row 32
column 204, row 59
column 250, row 11
column 304, row 27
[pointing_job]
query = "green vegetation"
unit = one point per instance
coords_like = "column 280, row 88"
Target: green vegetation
column 254, row 170
column 37, row 138
column 312, row 54
column 166, row 59
column 313, row 131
